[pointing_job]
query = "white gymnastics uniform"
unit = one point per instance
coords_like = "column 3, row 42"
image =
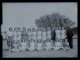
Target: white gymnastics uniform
column 15, row 36
column 39, row 46
column 23, row 46
column 10, row 33
column 32, row 46
column 49, row 34
column 57, row 45
column 63, row 34
column 15, row 49
column 34, row 35
column 29, row 33
column 48, row 45
column 58, row 34
column 19, row 35
column 10, row 40
column 39, row 35
column 44, row 35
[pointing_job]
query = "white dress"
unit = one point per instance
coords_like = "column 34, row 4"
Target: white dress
column 49, row 34
column 9, row 33
column 23, row 46
column 39, row 35
column 32, row 46
column 44, row 35
column 15, row 36
column 63, row 34
column 58, row 34
column 48, row 45
column 29, row 33
column 15, row 49
column 57, row 45
column 34, row 35
column 39, row 46
column 19, row 35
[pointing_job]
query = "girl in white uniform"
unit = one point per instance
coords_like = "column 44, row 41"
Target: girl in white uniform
column 32, row 45
column 39, row 44
column 39, row 35
column 34, row 34
column 44, row 35
column 58, row 35
column 43, row 39
column 19, row 37
column 10, row 38
column 29, row 35
column 48, row 45
column 49, row 35
column 23, row 45
column 63, row 33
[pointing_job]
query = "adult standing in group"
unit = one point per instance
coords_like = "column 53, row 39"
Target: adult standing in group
column 44, row 39
column 10, row 38
column 53, row 35
column 69, row 37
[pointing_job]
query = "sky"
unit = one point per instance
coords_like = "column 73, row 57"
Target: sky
column 25, row 14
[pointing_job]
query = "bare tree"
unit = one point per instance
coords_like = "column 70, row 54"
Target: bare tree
column 54, row 20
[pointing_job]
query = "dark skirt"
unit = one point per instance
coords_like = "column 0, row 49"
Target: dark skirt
column 10, row 41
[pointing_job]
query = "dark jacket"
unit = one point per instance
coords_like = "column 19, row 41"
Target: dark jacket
column 69, row 34
column 53, row 35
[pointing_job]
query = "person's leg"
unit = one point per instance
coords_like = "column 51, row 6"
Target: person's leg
column 71, row 44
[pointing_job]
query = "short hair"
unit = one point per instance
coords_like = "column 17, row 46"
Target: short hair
column 15, row 28
column 29, row 29
column 19, row 29
column 10, row 28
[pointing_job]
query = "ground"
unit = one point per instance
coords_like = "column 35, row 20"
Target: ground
column 45, row 54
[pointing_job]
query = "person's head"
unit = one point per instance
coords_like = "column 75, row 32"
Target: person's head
column 19, row 29
column 16, row 29
column 10, row 29
column 29, row 29
column 24, row 29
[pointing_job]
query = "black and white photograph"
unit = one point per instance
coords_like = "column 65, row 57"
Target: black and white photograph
column 39, row 30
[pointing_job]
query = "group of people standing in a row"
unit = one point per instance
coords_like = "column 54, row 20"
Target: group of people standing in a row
column 21, row 39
